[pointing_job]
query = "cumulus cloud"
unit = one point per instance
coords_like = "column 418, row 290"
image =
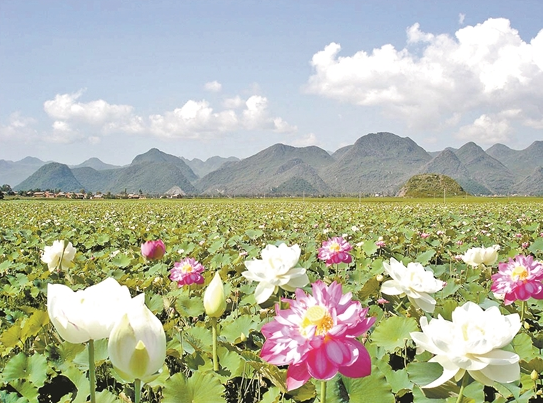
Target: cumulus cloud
column 19, row 127
column 461, row 18
column 308, row 140
column 197, row 119
column 213, row 86
column 194, row 120
column 438, row 81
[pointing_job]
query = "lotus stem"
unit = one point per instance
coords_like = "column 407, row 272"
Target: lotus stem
column 92, row 372
column 137, row 390
column 214, row 332
column 522, row 310
column 323, row 391
column 464, row 383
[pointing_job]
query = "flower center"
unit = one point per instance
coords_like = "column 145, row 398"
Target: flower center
column 320, row 317
column 334, row 247
column 187, row 268
column 519, row 273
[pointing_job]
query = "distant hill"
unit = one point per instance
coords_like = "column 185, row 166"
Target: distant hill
column 259, row 173
column 95, row 163
column 447, row 163
column 375, row 163
column 520, row 162
column 532, row 184
column 51, row 176
column 486, row 170
column 156, row 156
column 13, row 173
column 202, row 168
column 431, row 185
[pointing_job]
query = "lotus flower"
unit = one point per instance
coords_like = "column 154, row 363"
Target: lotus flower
column 519, row 279
column 214, row 299
column 153, row 250
column 86, row 314
column 472, row 342
column 413, row 281
column 335, row 250
column 478, row 256
column 137, row 344
column 316, row 336
column 59, row 255
column 276, row 269
column 186, row 272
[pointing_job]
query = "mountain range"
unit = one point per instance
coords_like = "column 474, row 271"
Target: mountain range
column 376, row 163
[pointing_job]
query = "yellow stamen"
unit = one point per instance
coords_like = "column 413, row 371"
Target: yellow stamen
column 519, row 273
column 320, row 317
column 334, row 247
column 187, row 268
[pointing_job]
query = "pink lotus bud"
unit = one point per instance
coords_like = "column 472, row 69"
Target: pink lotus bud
column 153, row 250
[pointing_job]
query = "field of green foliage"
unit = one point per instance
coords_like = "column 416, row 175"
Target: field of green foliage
column 37, row 365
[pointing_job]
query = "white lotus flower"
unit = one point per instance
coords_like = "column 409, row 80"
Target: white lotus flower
column 478, row 256
column 413, row 281
column 137, row 343
column 87, row 314
column 276, row 269
column 471, row 342
column 59, row 255
column 214, row 299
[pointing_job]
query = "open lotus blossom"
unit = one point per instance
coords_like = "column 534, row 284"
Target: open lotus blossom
column 137, row 343
column 478, row 256
column 153, row 250
column 471, row 342
column 316, row 336
column 59, row 255
column 518, row 279
column 335, row 250
column 413, row 281
column 86, row 314
column 276, row 269
column 186, row 272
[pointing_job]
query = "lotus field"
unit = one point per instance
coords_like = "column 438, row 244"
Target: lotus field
column 271, row 301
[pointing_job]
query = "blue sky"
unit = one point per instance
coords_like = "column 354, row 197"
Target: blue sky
column 112, row 79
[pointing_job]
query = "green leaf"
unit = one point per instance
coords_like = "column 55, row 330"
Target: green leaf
column 522, row 344
column 536, row 246
column 423, row 373
column 105, row 396
column 234, row 329
column 155, row 302
column 12, row 397
column 34, row 324
column 425, row 257
column 21, row 367
column 369, row 248
column 199, row 388
column 393, row 332
column 26, row 389
column 187, row 306
column 81, row 382
column 370, row 389
column 11, row 337
column 121, row 260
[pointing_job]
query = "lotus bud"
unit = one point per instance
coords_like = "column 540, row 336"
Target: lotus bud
column 153, row 250
column 534, row 375
column 214, row 299
column 137, row 343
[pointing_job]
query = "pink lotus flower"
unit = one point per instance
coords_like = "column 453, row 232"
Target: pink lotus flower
column 316, row 336
column 518, row 279
column 424, row 235
column 153, row 250
column 187, row 271
column 335, row 251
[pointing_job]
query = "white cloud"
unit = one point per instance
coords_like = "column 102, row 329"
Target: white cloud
column 197, row 119
column 18, row 128
column 461, row 18
column 233, row 103
column 308, row 140
column 437, row 81
column 213, row 86
column 487, row 129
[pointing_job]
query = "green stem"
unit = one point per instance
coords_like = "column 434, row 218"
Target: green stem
column 323, row 391
column 214, row 330
column 522, row 310
column 92, row 372
column 464, row 383
column 137, row 390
